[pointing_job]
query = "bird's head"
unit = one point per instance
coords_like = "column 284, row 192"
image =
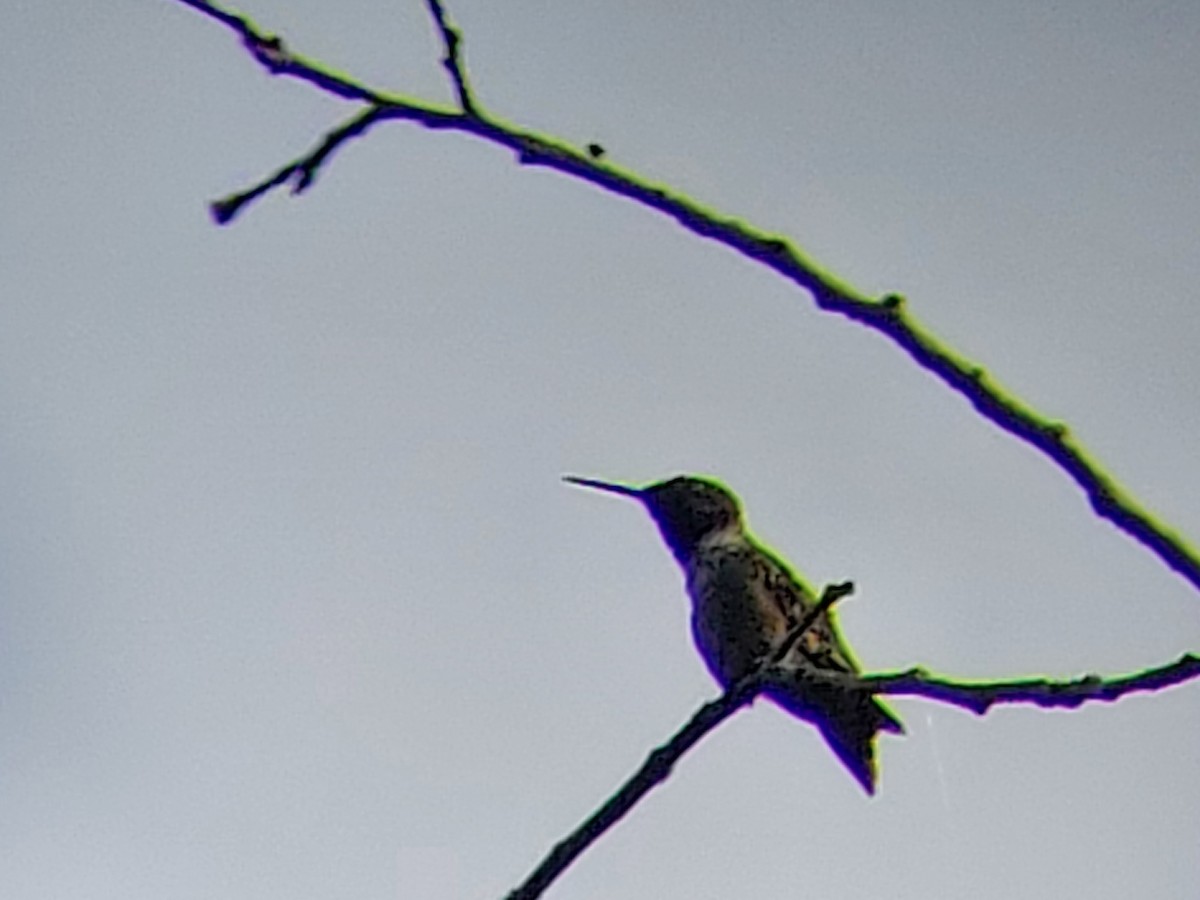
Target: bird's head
column 686, row 508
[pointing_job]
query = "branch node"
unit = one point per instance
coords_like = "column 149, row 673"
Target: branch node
column 269, row 50
column 659, row 765
column 1057, row 431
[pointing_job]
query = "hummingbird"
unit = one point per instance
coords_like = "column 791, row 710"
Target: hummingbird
column 745, row 601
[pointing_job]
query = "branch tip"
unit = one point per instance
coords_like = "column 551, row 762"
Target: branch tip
column 223, row 211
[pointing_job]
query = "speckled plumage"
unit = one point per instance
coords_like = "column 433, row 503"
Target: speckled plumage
column 744, row 603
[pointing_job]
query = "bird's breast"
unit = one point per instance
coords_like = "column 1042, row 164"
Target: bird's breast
column 735, row 620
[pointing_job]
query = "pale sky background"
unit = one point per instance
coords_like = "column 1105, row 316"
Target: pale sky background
column 292, row 601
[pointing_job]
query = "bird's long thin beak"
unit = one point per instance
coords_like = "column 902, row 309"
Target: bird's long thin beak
column 623, row 489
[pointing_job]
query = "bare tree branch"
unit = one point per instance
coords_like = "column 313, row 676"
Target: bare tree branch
column 977, row 697
column 886, row 315
column 653, row 772
column 661, row 761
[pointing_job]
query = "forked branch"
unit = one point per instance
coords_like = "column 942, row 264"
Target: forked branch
column 978, row 697
column 886, row 315
column 661, row 761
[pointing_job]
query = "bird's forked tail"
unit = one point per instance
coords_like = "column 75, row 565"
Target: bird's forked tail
column 849, row 722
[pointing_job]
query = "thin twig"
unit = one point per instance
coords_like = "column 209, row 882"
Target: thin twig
column 979, row 697
column 452, row 61
column 301, row 172
column 831, row 595
column 661, row 761
column 887, row 315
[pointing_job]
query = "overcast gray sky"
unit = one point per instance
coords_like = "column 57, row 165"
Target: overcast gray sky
column 292, row 601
